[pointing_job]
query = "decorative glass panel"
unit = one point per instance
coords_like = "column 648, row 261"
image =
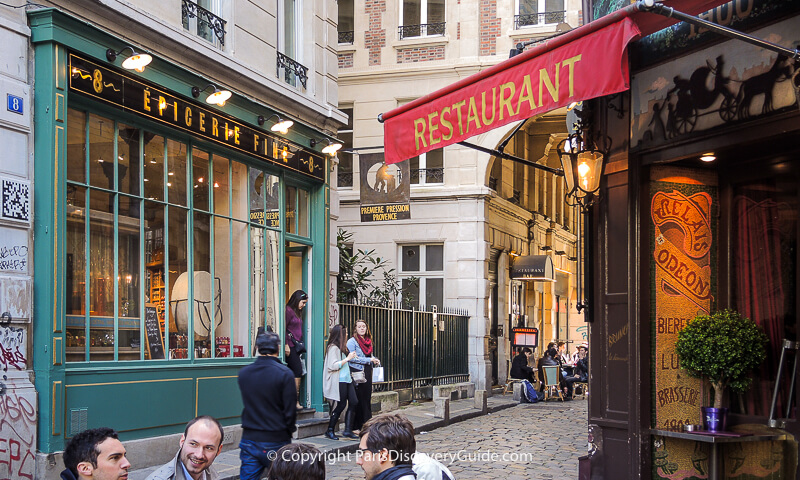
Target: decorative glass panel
column 101, row 152
column 291, row 209
column 176, row 172
column 153, row 167
column 101, row 275
column 200, row 186
column 221, row 186
column 302, row 212
column 128, row 277
column 178, row 283
column 239, row 189
column 128, row 149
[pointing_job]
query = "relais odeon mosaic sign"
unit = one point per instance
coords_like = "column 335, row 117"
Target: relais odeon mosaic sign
column 146, row 99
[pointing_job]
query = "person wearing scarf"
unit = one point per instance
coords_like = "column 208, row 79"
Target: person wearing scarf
column 361, row 343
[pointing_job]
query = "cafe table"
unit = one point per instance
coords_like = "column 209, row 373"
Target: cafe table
column 715, row 463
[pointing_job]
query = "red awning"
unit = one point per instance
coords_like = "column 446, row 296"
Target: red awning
column 587, row 62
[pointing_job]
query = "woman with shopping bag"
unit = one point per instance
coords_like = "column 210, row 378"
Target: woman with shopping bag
column 337, row 384
column 361, row 369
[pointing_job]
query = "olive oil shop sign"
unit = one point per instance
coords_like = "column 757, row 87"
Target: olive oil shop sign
column 148, row 100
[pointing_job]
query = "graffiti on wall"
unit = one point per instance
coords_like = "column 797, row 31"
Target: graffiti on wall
column 12, row 347
column 333, row 309
column 17, row 409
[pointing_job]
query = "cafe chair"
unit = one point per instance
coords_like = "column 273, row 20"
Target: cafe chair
column 584, row 386
column 509, row 386
column 551, row 377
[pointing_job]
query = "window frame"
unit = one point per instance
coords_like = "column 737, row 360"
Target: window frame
column 541, row 13
column 423, row 20
column 88, row 109
column 423, row 274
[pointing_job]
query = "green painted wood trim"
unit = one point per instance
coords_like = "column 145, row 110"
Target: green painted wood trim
column 48, row 239
column 53, row 25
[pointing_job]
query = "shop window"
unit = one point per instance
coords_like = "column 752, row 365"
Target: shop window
column 764, row 224
column 346, row 25
column 422, row 18
column 297, row 205
column 137, row 246
column 427, row 168
column 538, row 12
column 204, row 19
column 422, row 275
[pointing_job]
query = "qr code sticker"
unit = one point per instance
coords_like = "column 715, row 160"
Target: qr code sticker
column 16, row 200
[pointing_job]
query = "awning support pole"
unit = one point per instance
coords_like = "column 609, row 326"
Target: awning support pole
column 661, row 9
column 554, row 171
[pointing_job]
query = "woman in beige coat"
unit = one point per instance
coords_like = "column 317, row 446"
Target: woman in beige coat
column 337, row 384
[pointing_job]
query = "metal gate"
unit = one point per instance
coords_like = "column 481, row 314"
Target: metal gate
column 418, row 349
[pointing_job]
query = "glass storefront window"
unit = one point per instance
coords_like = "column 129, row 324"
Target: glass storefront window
column 203, row 270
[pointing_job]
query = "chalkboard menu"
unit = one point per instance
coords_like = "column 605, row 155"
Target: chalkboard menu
column 152, row 330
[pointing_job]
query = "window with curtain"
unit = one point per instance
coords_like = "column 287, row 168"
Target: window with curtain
column 764, row 229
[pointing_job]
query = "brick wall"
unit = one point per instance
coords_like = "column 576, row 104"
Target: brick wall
column 420, row 54
column 375, row 37
column 345, row 60
column 489, row 27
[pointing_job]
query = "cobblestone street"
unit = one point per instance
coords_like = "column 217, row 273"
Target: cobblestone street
column 526, row 442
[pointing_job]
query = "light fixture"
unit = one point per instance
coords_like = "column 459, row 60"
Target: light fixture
column 560, row 253
column 582, row 160
column 708, row 157
column 331, row 148
column 137, row 61
column 217, row 97
column 281, row 125
column 546, row 248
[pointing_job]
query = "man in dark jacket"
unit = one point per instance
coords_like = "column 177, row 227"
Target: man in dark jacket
column 95, row 454
column 269, row 397
column 519, row 365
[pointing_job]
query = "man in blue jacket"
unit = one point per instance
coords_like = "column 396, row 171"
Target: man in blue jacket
column 269, row 396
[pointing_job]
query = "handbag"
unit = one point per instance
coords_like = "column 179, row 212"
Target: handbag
column 358, row 376
column 299, row 346
column 377, row 374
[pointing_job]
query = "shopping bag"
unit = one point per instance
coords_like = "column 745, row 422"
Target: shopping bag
column 377, row 374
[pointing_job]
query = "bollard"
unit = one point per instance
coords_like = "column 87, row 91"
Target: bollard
column 480, row 400
column 441, row 408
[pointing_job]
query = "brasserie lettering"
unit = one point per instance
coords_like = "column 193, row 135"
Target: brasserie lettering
column 685, row 395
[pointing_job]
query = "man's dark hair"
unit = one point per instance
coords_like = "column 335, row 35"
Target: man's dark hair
column 552, row 353
column 392, row 432
column 550, row 345
column 207, row 419
column 297, row 461
column 527, row 350
column 83, row 447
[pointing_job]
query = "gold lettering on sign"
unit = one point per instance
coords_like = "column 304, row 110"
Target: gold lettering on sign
column 684, row 212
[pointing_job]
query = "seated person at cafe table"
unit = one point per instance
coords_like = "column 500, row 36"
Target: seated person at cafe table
column 581, row 371
column 519, row 365
column 548, row 359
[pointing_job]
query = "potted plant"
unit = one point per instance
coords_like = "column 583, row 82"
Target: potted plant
column 723, row 348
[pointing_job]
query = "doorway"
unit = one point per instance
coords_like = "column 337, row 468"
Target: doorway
column 296, row 278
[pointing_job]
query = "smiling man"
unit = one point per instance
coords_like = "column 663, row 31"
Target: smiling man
column 200, row 445
column 95, row 454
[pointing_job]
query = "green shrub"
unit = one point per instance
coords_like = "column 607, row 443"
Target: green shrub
column 724, row 348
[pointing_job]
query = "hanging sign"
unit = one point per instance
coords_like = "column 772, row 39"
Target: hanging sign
column 149, row 100
column 385, row 189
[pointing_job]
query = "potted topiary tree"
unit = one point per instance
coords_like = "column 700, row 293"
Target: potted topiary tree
column 723, row 348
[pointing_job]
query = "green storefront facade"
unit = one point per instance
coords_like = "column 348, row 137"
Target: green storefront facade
column 166, row 232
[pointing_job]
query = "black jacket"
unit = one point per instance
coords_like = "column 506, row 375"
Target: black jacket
column 520, row 368
column 269, row 396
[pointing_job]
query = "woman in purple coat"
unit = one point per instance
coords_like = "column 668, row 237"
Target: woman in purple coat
column 294, row 331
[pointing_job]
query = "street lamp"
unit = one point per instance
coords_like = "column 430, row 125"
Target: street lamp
column 583, row 162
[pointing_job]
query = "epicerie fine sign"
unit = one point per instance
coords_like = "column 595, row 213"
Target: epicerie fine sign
column 146, row 99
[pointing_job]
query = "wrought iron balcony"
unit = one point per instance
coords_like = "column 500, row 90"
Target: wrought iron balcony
column 538, row 19
column 346, row 37
column 344, row 179
column 292, row 70
column 207, row 22
column 427, row 175
column 423, row 30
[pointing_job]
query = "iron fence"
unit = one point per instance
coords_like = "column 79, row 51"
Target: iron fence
column 538, row 19
column 414, row 353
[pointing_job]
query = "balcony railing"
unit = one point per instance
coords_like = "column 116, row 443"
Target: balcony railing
column 346, row 37
column 423, row 30
column 427, row 175
column 292, row 70
column 207, row 22
column 538, row 19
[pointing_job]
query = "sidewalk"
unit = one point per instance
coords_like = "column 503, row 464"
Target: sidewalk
column 227, row 463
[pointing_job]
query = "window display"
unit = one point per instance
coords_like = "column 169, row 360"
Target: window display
column 203, row 269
